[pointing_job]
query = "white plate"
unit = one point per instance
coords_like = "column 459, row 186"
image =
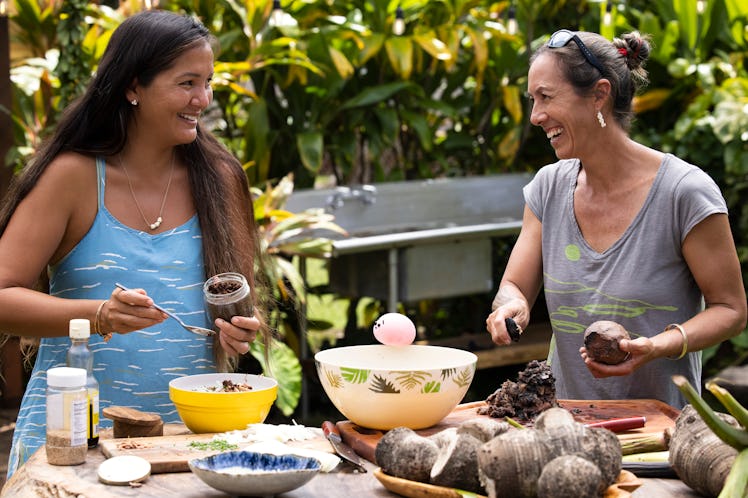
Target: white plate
column 122, row 470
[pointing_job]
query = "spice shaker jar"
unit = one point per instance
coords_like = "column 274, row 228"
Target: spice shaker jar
column 67, row 415
column 228, row 295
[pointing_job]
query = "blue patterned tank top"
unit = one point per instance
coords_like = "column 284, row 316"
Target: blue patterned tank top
column 133, row 369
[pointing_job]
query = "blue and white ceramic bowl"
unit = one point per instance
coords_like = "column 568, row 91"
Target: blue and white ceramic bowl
column 247, row 473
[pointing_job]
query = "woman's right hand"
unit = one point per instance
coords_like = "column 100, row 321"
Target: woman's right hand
column 128, row 311
column 496, row 321
column 508, row 303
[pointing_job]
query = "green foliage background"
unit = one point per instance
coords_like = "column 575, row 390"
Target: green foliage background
column 324, row 90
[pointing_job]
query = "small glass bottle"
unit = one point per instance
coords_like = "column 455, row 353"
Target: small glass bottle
column 66, row 416
column 80, row 356
column 228, row 295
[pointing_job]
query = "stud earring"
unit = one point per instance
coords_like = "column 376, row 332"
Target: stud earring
column 601, row 119
column 134, row 102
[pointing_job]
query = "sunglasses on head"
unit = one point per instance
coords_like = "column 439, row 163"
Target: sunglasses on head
column 562, row 37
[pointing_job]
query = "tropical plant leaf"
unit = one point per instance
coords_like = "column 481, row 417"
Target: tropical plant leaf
column 432, row 387
column 283, row 366
column 433, row 45
column 334, row 379
column 412, row 379
column 381, row 385
column 400, row 54
column 372, row 45
column 419, row 124
column 448, row 372
column 311, row 145
column 354, row 375
column 343, row 66
column 464, row 378
column 375, row 94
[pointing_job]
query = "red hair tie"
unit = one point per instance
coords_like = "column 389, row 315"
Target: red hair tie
column 624, row 52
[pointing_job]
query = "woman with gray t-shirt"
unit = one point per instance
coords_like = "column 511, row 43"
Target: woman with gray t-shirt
column 617, row 231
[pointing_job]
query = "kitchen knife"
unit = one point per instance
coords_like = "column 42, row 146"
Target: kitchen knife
column 346, row 452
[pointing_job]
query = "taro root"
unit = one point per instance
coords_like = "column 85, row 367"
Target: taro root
column 603, row 447
column 483, row 428
column 406, row 454
column 510, row 464
column 554, row 417
column 571, row 476
column 601, row 341
column 700, row 458
column 445, row 437
column 567, row 436
column 456, row 464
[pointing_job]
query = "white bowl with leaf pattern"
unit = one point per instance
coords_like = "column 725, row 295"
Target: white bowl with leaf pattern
column 382, row 387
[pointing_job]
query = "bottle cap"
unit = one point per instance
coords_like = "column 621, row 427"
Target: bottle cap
column 80, row 328
column 66, row 377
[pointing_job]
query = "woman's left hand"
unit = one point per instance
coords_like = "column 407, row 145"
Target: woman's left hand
column 640, row 352
column 236, row 337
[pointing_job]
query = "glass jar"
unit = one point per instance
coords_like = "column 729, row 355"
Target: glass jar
column 67, row 416
column 80, row 356
column 228, row 295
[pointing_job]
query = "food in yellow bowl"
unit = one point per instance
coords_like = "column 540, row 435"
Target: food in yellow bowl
column 222, row 402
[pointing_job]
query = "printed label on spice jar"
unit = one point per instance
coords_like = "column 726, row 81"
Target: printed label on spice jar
column 79, row 422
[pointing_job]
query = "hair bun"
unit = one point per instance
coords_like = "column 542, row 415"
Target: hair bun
column 634, row 48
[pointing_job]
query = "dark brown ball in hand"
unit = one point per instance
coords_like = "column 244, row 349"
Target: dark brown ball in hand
column 601, row 341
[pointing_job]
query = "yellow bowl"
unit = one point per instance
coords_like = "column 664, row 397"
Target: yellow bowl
column 204, row 411
column 382, row 387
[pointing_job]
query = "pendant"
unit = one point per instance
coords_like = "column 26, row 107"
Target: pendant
column 156, row 223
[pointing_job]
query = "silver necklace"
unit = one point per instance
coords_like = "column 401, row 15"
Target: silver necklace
column 160, row 219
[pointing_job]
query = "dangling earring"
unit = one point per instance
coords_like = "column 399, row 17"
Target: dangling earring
column 134, row 102
column 601, row 119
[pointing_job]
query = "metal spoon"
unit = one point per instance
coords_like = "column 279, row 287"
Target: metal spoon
column 192, row 328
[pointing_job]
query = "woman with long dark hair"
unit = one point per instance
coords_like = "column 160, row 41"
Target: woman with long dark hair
column 130, row 188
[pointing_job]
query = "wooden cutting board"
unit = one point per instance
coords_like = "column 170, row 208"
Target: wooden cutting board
column 659, row 415
column 172, row 453
column 165, row 453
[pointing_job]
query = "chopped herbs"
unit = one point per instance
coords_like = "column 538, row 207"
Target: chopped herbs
column 214, row 445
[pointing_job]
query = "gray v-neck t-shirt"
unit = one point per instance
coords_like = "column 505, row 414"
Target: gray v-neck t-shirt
column 641, row 281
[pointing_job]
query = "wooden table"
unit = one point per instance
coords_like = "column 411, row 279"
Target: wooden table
column 39, row 479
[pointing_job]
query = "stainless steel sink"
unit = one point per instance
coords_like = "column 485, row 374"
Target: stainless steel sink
column 414, row 240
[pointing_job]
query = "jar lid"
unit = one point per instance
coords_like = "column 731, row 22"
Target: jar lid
column 80, row 328
column 66, row 377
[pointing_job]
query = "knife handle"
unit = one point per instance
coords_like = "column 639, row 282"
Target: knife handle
column 330, row 428
column 620, row 424
column 513, row 329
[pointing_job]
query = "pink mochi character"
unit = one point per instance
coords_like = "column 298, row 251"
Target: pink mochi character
column 394, row 329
